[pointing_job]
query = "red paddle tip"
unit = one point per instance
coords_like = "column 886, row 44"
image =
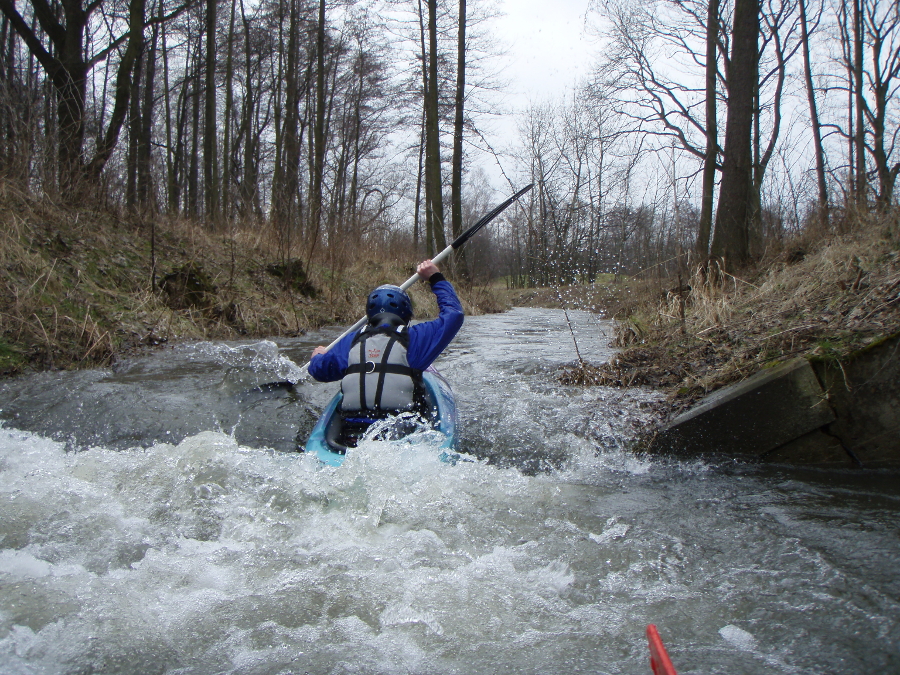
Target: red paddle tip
column 659, row 658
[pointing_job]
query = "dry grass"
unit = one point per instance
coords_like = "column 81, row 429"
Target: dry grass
column 77, row 287
column 825, row 299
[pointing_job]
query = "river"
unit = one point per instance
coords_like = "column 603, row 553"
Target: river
column 155, row 519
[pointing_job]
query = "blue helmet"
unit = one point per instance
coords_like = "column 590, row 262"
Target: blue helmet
column 390, row 299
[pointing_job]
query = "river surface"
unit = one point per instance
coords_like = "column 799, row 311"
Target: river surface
column 154, row 518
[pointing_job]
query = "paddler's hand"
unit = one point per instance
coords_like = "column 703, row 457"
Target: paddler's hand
column 319, row 350
column 426, row 269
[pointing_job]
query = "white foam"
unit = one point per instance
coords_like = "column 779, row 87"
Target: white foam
column 738, row 637
column 23, row 565
column 222, row 558
column 613, row 530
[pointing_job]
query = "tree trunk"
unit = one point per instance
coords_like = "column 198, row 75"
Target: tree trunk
column 70, row 79
column 228, row 114
column 432, row 130
column 712, row 131
column 357, row 139
column 315, row 196
column 456, row 170
column 193, row 177
column 134, row 132
column 284, row 193
column 278, row 169
column 426, row 136
column 862, row 188
column 210, row 149
column 7, row 75
column 250, row 177
column 814, row 118
column 171, row 202
column 731, row 237
column 145, row 197
column 418, row 204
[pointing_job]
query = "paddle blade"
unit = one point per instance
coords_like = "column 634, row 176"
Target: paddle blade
column 659, row 658
column 496, row 211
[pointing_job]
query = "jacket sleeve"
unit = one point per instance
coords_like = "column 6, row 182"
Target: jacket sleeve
column 427, row 340
column 331, row 365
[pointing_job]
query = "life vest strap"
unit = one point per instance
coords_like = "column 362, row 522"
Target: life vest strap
column 387, row 368
column 379, row 389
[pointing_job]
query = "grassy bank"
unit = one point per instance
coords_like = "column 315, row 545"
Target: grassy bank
column 820, row 296
column 81, row 287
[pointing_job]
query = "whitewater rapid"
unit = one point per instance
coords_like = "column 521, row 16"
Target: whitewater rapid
column 548, row 551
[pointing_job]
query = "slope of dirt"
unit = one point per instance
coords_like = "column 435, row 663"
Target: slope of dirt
column 823, row 299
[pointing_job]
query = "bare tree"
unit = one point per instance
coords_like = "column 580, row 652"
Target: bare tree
column 60, row 49
column 433, row 180
column 710, row 158
column 881, row 35
column 458, row 119
column 210, row 140
column 819, row 150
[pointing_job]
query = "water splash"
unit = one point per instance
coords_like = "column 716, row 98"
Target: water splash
column 264, row 359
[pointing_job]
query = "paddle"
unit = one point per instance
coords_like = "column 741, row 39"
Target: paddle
column 457, row 243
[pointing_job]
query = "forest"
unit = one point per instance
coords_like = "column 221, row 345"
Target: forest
column 707, row 129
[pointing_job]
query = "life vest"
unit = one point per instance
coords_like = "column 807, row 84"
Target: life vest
column 378, row 376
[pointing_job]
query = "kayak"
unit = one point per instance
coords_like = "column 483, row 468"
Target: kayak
column 440, row 401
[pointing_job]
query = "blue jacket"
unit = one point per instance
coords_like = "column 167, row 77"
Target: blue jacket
column 426, row 340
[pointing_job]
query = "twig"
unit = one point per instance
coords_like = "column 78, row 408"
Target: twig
column 35, row 283
column 741, row 280
column 47, row 280
column 571, row 330
column 788, row 330
column 846, row 379
column 881, row 306
column 13, row 317
column 859, row 276
column 46, row 337
column 94, row 346
column 84, row 325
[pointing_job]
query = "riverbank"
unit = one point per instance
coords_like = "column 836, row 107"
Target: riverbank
column 823, row 297
column 792, row 361
column 82, row 287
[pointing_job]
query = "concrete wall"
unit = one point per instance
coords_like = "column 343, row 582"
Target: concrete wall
column 800, row 412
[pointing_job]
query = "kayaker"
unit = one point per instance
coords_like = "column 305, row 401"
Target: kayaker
column 380, row 366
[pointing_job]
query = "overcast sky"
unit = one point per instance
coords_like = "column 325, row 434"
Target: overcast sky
column 548, row 51
column 548, row 45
